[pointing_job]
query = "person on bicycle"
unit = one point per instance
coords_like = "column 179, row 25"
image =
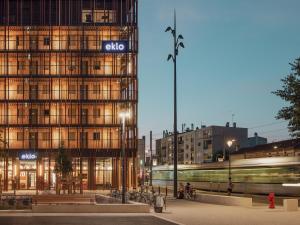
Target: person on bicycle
column 188, row 189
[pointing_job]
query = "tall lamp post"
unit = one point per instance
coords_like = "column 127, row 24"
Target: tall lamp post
column 123, row 116
column 2, row 157
column 229, row 144
column 177, row 44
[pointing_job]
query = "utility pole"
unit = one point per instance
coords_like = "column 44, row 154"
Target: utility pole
column 151, row 159
column 177, row 44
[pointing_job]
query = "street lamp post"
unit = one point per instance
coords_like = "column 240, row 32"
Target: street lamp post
column 2, row 157
column 229, row 144
column 177, row 44
column 123, row 116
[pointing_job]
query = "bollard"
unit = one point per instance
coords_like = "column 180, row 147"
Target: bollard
column 158, row 189
column 271, row 199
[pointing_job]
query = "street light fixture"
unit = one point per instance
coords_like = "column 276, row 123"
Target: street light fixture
column 229, row 144
column 123, row 115
column 177, row 44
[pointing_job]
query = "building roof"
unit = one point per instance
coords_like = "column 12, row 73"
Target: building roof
column 292, row 143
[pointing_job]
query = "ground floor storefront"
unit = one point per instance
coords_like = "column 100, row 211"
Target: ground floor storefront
column 31, row 171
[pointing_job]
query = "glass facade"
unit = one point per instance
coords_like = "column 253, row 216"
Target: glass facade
column 60, row 87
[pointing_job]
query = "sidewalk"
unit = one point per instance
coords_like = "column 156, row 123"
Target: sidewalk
column 196, row 213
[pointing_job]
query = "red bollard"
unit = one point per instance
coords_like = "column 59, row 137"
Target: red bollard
column 271, row 199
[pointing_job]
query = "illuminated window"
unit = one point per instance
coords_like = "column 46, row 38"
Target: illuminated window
column 96, row 112
column 45, row 136
column 72, row 89
column 20, row 65
column 72, row 136
column 96, row 89
column 45, row 89
column 47, row 66
column 86, row 16
column 20, row 136
column 72, row 65
column 71, row 112
column 71, row 40
column 20, row 89
column 20, row 112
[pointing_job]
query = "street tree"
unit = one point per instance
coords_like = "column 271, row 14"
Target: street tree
column 290, row 93
column 63, row 166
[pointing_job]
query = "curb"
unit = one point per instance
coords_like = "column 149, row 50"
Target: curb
column 169, row 220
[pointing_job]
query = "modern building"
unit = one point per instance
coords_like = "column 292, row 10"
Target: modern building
column 286, row 148
column 200, row 145
column 67, row 69
column 256, row 140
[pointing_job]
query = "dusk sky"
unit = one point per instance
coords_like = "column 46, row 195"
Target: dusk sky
column 236, row 53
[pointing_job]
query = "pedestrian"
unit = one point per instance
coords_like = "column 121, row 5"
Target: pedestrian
column 230, row 187
column 181, row 191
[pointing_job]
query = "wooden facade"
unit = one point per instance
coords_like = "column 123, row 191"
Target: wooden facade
column 59, row 88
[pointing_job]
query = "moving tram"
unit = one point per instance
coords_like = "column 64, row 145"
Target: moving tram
column 249, row 176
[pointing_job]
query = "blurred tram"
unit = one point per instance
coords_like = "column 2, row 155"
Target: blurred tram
column 249, row 176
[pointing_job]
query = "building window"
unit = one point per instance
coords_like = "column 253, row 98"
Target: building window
column 17, row 41
column 72, row 136
column 72, row 65
column 19, row 112
column 96, row 89
column 20, row 65
column 96, row 136
column 71, row 112
column 46, row 40
column 45, row 89
column 96, row 112
column 20, row 89
column 46, row 112
column 20, row 136
column 47, row 65
column 71, row 40
column 97, row 65
column 72, row 89
column 86, row 16
column 45, row 136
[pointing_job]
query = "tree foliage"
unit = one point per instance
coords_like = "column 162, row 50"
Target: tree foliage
column 63, row 164
column 290, row 93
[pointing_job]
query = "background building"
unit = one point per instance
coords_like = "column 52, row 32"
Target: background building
column 67, row 68
column 256, row 140
column 200, row 145
column 286, row 148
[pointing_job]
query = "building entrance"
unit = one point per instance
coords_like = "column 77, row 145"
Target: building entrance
column 27, row 175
